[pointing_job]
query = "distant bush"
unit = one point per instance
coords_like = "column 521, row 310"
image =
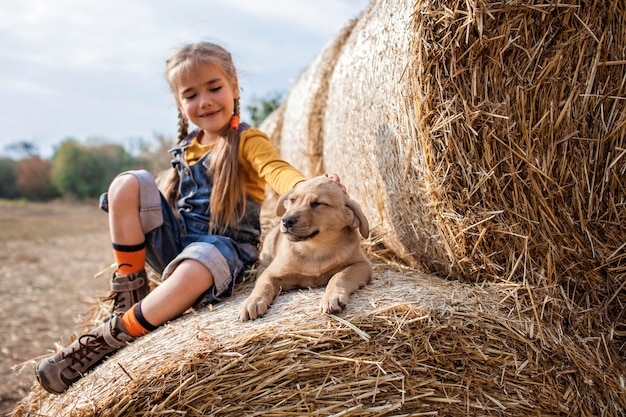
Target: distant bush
column 260, row 108
column 8, row 178
column 85, row 171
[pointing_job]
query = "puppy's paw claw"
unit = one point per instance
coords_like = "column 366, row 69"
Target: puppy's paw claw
column 252, row 309
column 331, row 305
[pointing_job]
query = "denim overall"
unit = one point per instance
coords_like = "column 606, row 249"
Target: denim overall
column 239, row 246
column 195, row 198
column 173, row 238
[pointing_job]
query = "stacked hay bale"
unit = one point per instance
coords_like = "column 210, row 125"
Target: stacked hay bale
column 486, row 142
column 304, row 116
column 522, row 123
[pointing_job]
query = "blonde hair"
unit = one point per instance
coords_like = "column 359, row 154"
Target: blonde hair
column 228, row 196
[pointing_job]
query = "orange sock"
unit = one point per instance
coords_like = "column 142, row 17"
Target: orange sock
column 129, row 259
column 135, row 323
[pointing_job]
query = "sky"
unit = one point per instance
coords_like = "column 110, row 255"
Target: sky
column 95, row 69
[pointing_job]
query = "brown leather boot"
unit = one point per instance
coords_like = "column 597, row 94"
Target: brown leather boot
column 126, row 290
column 56, row 373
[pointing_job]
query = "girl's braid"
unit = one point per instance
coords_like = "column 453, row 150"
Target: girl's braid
column 236, row 111
column 183, row 127
column 170, row 189
column 235, row 119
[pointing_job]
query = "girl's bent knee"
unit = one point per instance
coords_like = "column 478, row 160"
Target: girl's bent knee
column 124, row 187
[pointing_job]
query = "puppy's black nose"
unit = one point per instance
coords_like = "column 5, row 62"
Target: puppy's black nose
column 289, row 221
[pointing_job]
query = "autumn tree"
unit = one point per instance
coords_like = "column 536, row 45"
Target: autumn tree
column 33, row 179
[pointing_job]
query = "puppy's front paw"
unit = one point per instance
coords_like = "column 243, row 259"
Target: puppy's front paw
column 253, row 307
column 333, row 302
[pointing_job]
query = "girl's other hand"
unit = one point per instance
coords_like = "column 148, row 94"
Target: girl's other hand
column 336, row 179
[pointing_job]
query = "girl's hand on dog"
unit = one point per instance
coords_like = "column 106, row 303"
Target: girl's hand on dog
column 336, row 179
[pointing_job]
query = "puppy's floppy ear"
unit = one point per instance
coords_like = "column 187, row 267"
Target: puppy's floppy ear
column 359, row 218
column 280, row 206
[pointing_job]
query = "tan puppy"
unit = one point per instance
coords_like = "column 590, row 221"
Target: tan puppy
column 316, row 243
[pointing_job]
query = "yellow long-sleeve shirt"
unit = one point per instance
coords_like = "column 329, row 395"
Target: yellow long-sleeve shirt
column 260, row 162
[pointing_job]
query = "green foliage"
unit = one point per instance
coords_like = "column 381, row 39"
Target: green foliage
column 77, row 170
column 85, row 171
column 261, row 108
column 8, row 178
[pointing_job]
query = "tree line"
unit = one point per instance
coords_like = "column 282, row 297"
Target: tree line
column 85, row 170
column 76, row 170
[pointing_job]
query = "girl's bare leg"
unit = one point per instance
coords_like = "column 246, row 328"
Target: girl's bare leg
column 124, row 224
column 188, row 281
column 177, row 293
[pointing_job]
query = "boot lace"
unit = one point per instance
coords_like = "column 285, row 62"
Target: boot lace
column 88, row 345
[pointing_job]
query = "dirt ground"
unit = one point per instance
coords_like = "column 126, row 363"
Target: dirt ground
column 50, row 255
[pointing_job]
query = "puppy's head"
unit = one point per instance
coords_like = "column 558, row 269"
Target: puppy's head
column 318, row 207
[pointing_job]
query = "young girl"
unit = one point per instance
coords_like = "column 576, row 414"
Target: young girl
column 201, row 233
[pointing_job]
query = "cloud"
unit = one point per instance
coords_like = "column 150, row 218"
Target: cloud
column 313, row 16
column 82, row 68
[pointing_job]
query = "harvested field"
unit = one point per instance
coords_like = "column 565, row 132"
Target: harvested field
column 49, row 254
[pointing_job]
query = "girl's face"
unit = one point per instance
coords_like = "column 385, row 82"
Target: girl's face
column 206, row 98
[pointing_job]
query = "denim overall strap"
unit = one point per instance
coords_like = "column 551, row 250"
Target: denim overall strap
column 195, row 197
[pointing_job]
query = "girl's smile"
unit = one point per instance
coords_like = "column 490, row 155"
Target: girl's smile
column 209, row 114
column 206, row 98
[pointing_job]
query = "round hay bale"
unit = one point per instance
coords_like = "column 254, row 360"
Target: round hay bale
column 301, row 143
column 486, row 141
column 273, row 124
column 408, row 344
column 369, row 140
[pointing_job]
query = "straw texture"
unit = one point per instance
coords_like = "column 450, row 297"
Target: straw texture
column 486, row 142
column 408, row 344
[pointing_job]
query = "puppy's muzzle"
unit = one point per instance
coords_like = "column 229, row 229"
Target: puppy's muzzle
column 288, row 226
column 288, row 222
